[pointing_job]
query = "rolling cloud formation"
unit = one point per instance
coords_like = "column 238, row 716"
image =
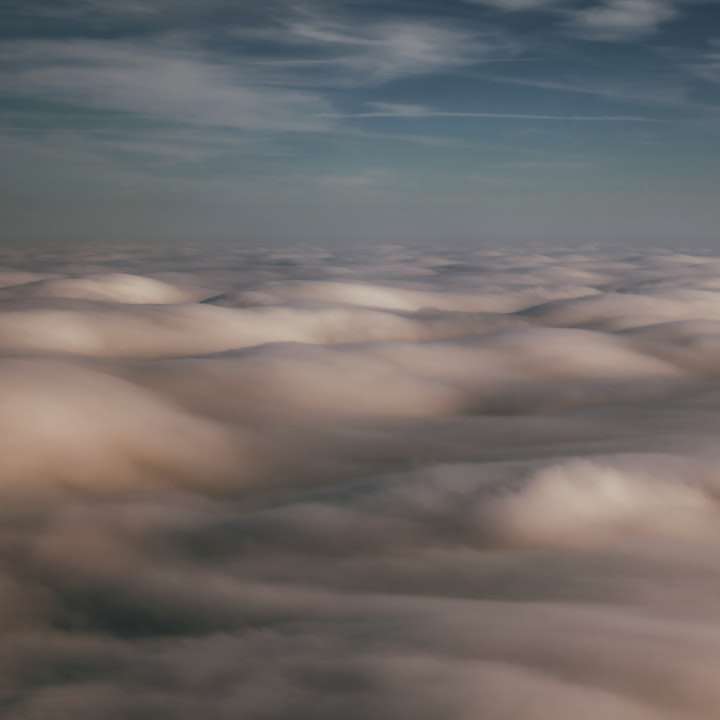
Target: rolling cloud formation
column 387, row 484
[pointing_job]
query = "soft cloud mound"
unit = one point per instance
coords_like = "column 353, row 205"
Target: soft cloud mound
column 78, row 426
column 272, row 485
column 114, row 287
column 583, row 502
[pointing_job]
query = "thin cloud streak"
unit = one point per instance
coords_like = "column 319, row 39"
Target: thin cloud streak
column 635, row 94
column 429, row 115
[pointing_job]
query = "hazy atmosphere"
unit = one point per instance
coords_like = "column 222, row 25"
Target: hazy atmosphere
column 346, row 121
column 359, row 360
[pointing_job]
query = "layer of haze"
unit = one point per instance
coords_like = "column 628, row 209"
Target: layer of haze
column 274, row 485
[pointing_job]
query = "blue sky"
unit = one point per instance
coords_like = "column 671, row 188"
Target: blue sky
column 488, row 121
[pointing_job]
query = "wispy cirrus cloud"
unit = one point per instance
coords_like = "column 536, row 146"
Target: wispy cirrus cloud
column 622, row 19
column 515, row 5
column 609, row 20
column 344, row 51
column 419, row 112
column 707, row 67
column 667, row 94
column 91, row 10
column 173, row 84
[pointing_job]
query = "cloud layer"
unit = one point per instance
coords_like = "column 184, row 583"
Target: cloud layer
column 393, row 484
column 343, row 122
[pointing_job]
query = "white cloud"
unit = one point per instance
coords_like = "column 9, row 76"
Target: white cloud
column 172, row 84
column 623, row 19
column 395, row 494
column 399, row 109
column 391, row 50
column 369, row 52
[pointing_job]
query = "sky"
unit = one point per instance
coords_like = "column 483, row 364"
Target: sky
column 346, row 122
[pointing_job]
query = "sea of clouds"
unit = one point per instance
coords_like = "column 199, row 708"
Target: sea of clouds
column 391, row 484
